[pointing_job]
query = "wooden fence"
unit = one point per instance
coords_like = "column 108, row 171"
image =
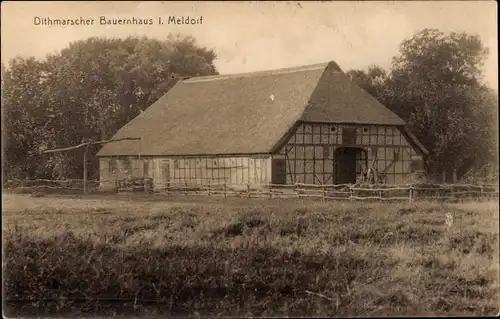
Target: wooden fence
column 339, row 192
column 324, row 192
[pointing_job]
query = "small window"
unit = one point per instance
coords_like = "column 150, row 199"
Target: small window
column 176, row 164
column 332, row 129
column 215, row 163
column 365, row 130
column 349, row 136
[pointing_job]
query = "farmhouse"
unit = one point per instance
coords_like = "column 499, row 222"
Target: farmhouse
column 308, row 124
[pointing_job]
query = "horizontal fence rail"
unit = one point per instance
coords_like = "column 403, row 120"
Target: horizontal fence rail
column 408, row 192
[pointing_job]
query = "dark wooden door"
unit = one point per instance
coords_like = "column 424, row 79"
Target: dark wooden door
column 278, row 171
column 345, row 165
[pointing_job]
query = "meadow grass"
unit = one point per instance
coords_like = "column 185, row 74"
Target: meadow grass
column 244, row 257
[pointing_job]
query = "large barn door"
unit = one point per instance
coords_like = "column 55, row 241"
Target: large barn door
column 350, row 162
column 278, row 171
column 346, row 165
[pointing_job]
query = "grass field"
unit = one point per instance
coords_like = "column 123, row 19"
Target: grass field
column 236, row 257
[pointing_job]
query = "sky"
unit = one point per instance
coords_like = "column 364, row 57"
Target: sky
column 252, row 36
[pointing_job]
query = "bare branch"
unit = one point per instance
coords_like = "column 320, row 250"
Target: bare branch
column 319, row 295
column 69, row 148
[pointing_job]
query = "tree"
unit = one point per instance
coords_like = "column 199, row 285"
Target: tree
column 435, row 85
column 372, row 81
column 24, row 120
column 86, row 91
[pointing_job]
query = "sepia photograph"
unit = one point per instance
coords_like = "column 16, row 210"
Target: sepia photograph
column 200, row 159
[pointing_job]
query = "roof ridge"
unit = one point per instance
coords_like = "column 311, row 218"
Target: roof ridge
column 287, row 70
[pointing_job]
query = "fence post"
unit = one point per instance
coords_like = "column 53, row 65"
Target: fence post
column 209, row 188
column 351, row 192
column 410, row 199
column 225, row 191
column 248, row 190
column 324, row 192
column 185, row 188
column 270, row 186
column 145, row 184
column 168, row 186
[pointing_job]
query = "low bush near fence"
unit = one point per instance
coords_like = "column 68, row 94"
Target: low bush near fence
column 66, row 186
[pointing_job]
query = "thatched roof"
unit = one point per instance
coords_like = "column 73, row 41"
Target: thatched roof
column 246, row 113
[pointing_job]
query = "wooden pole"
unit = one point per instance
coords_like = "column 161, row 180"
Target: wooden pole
column 139, row 162
column 85, row 152
column 140, row 148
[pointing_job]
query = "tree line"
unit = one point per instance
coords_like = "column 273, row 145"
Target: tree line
column 91, row 88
